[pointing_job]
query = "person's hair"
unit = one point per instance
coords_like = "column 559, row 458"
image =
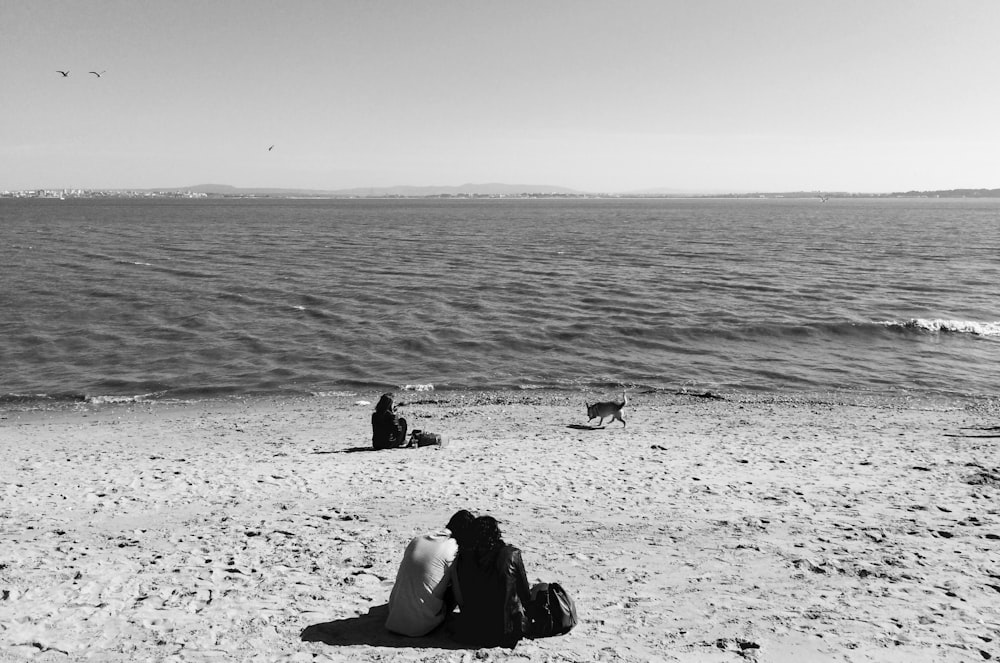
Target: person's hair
column 483, row 535
column 459, row 525
column 384, row 403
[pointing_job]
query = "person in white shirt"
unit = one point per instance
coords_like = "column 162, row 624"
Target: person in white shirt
column 420, row 599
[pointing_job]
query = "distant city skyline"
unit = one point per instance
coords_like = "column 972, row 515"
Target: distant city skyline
column 722, row 95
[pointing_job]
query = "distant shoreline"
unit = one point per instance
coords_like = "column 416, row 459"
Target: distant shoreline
column 18, row 408
column 212, row 192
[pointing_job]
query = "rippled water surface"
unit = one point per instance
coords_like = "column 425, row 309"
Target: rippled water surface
column 162, row 298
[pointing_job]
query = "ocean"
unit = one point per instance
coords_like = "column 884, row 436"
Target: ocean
column 159, row 299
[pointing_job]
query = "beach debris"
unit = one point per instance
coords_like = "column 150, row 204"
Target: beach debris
column 987, row 431
column 44, row 647
column 362, row 402
column 705, row 394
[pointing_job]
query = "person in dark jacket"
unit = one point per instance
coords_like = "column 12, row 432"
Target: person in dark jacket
column 491, row 588
column 388, row 429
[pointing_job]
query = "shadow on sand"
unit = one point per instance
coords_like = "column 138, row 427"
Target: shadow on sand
column 370, row 629
column 584, row 427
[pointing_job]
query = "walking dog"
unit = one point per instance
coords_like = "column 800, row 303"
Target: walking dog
column 607, row 409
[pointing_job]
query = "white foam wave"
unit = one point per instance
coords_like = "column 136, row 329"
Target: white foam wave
column 112, row 399
column 417, row 387
column 953, row 326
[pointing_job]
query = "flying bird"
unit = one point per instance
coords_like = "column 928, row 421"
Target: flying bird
column 64, row 73
column 270, row 148
column 98, row 74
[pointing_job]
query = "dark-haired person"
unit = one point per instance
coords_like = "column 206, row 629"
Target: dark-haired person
column 420, row 599
column 491, row 588
column 388, row 429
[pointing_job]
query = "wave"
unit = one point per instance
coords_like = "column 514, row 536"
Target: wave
column 741, row 330
column 14, row 398
column 112, row 399
column 703, row 338
column 946, row 326
column 71, row 398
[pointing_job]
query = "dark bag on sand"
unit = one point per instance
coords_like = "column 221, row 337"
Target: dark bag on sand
column 422, row 438
column 551, row 611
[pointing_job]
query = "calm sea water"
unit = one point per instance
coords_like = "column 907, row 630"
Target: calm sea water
column 151, row 299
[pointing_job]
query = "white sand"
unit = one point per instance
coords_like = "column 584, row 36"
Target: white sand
column 706, row 530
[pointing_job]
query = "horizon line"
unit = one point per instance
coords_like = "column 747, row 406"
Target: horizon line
column 509, row 189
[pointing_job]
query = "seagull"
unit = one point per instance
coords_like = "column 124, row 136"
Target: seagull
column 270, row 148
column 64, row 73
column 98, row 74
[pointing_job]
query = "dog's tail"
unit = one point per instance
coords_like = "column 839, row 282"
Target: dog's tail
column 624, row 398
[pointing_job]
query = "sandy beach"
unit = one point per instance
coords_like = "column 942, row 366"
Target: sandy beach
column 706, row 530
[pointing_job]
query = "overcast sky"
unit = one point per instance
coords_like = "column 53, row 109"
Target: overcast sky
column 699, row 95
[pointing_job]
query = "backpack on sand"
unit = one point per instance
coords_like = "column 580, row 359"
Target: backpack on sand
column 551, row 611
column 419, row 438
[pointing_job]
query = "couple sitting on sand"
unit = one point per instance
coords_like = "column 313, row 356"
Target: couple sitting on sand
column 469, row 565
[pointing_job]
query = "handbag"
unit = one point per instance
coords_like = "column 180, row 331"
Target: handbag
column 419, row 438
column 551, row 611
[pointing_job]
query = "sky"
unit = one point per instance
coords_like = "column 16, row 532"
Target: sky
column 599, row 96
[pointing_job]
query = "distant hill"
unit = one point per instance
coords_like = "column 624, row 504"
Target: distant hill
column 226, row 190
column 670, row 193
column 490, row 189
column 514, row 190
column 951, row 193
